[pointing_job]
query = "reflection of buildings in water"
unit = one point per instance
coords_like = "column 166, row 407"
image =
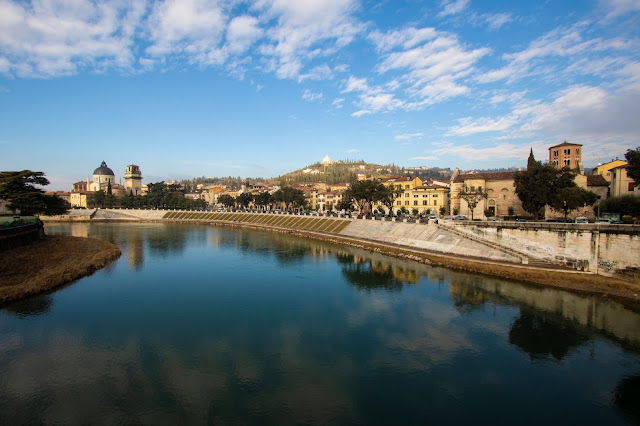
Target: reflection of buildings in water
column 602, row 314
column 79, row 230
column 135, row 250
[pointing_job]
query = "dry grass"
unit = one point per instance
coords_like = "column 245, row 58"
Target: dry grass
column 49, row 263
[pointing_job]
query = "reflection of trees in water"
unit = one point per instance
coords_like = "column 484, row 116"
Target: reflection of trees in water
column 542, row 334
column 467, row 297
column 171, row 241
column 627, row 397
column 368, row 275
column 30, row 307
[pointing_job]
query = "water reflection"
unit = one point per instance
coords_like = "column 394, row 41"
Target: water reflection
column 542, row 335
column 30, row 307
column 226, row 332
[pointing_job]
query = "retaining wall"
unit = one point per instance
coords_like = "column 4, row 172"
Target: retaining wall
column 603, row 249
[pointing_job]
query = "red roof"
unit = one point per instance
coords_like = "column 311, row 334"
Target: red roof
column 565, row 143
column 596, row 180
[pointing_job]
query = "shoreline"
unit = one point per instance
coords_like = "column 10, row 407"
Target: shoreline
column 50, row 263
column 624, row 290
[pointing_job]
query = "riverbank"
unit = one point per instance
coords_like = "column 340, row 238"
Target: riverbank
column 50, row 263
column 624, row 290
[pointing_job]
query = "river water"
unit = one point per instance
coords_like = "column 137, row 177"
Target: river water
column 199, row 324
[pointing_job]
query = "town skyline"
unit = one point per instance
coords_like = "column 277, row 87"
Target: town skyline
column 259, row 89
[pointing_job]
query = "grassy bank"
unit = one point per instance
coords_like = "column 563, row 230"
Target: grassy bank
column 49, row 263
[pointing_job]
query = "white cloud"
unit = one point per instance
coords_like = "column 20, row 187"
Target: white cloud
column 588, row 112
column 566, row 45
column 620, row 7
column 430, row 158
column 242, row 32
column 310, row 96
column 46, row 38
column 321, row 72
column 356, row 85
column 408, row 136
column 468, row 126
column 304, row 30
column 337, row 102
column 452, row 7
column 497, row 20
column 193, row 27
column 498, row 152
column 352, row 151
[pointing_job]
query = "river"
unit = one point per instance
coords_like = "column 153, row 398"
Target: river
column 202, row 324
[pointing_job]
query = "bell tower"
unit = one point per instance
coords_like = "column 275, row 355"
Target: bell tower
column 133, row 180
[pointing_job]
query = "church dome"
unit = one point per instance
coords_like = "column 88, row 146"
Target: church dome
column 103, row 170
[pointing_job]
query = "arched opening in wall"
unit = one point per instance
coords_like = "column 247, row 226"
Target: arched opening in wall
column 492, row 208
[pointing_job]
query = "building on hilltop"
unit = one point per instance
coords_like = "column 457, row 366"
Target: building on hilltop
column 566, row 154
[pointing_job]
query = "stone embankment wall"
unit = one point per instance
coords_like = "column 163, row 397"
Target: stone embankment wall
column 603, row 249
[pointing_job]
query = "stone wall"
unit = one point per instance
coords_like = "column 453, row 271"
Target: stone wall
column 604, row 249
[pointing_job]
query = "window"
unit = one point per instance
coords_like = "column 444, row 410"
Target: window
column 424, row 203
column 399, row 202
column 435, row 195
column 407, row 186
column 424, row 195
column 416, row 196
column 473, row 189
column 435, row 202
column 577, row 151
column 567, row 152
column 567, row 162
column 630, row 187
column 415, row 203
column 406, row 203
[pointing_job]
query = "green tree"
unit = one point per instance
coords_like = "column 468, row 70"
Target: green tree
column 263, row 199
column 571, row 198
column 21, row 191
column 227, row 200
column 345, row 205
column 365, row 192
column 626, row 205
column 540, row 184
column 244, row 199
column 633, row 168
column 389, row 195
column 443, row 210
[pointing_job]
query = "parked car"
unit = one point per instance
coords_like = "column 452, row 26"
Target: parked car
column 616, row 222
column 460, row 218
column 582, row 219
column 521, row 220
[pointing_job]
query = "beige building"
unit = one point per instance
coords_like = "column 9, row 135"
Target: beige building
column 133, row 180
column 566, row 154
column 500, row 191
column 329, row 200
column 621, row 183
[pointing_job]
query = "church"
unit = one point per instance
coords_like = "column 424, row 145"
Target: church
column 104, row 179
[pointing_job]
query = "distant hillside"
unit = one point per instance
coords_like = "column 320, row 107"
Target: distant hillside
column 338, row 172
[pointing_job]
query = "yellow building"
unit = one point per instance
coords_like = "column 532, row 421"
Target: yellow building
column 605, row 169
column 405, row 182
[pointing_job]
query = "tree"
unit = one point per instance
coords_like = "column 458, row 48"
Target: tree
column 626, row 205
column 539, row 185
column 443, row 210
column 263, row 199
column 21, row 191
column 244, row 199
column 388, row 197
column 473, row 197
column 570, row 198
column 364, row 192
column 227, row 200
column 633, row 168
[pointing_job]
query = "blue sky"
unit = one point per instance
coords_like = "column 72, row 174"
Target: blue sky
column 189, row 88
